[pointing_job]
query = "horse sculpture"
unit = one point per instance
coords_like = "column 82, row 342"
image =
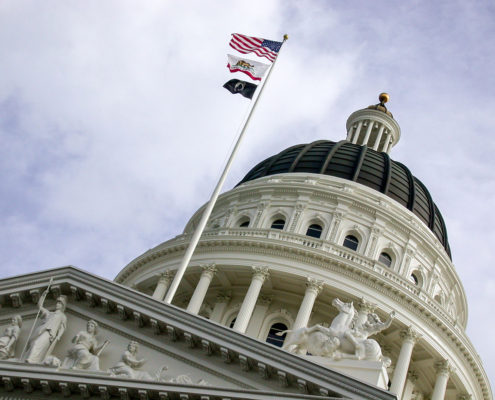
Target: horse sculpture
column 347, row 336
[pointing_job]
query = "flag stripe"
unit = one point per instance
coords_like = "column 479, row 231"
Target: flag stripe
column 261, row 47
column 234, row 69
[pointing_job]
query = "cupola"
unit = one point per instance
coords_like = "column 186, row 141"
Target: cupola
column 374, row 127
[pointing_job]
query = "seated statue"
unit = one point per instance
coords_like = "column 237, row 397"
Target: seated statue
column 9, row 338
column 129, row 365
column 85, row 352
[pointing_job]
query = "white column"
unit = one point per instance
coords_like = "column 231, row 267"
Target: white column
column 247, row 307
column 358, row 131
column 162, row 285
column 409, row 337
column 368, row 132
column 412, row 377
column 349, row 133
column 259, row 313
column 223, row 300
column 313, row 288
column 201, row 288
column 443, row 372
column 388, row 144
column 385, row 141
column 378, row 137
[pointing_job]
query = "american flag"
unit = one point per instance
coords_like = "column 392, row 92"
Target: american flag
column 261, row 47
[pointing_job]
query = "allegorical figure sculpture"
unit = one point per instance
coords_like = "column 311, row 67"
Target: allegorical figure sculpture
column 9, row 338
column 130, row 364
column 49, row 331
column 347, row 336
column 85, row 352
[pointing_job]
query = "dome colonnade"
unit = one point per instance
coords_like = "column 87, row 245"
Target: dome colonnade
column 290, row 238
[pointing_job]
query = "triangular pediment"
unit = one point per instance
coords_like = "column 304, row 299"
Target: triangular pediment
column 187, row 356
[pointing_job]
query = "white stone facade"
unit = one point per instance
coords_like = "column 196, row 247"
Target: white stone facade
column 434, row 304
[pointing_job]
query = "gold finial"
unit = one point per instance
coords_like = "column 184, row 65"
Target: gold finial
column 384, row 97
column 286, row 37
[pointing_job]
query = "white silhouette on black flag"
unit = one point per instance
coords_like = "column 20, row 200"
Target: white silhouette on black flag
column 244, row 88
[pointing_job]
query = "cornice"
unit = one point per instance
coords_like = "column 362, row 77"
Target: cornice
column 198, row 333
column 355, row 272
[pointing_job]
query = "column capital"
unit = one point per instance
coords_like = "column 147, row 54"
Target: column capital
column 410, row 335
column 314, row 285
column 209, row 269
column 166, row 276
column 464, row 396
column 364, row 305
column 444, row 367
column 265, row 300
column 260, row 272
column 412, row 376
column 224, row 297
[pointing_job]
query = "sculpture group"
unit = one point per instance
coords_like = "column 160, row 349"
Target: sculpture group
column 346, row 337
column 84, row 354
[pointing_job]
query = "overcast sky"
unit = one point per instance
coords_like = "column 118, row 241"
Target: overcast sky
column 114, row 125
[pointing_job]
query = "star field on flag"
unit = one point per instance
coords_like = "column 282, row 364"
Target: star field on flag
column 259, row 46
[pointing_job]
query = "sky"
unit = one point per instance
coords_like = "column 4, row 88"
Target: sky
column 114, row 125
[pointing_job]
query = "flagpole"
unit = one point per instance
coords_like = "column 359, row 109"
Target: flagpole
column 209, row 208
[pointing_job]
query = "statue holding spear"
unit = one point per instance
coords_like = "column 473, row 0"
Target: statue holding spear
column 52, row 325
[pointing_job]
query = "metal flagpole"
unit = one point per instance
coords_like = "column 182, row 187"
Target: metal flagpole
column 209, row 208
column 40, row 304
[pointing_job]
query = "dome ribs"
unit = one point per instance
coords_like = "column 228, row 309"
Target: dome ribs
column 431, row 205
column 331, row 153
column 363, row 165
column 278, row 157
column 359, row 162
column 386, row 174
column 303, row 153
column 412, row 188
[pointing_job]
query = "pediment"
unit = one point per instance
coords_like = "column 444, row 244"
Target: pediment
column 187, row 356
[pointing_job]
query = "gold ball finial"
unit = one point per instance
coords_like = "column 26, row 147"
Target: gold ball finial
column 286, row 37
column 384, row 97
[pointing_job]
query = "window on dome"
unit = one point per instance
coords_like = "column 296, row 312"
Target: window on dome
column 272, row 335
column 244, row 224
column 385, row 259
column 438, row 299
column 232, row 323
column 314, row 230
column 351, row 242
column 278, row 224
column 414, row 279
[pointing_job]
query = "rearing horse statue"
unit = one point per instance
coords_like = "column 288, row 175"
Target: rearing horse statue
column 319, row 340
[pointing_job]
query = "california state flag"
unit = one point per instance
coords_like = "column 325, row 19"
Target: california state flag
column 255, row 70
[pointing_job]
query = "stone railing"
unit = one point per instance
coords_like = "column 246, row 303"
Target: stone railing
column 334, row 249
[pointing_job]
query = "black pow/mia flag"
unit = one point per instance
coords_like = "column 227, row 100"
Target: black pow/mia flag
column 237, row 86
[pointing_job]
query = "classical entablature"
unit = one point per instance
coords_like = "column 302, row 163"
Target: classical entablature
column 420, row 283
column 188, row 357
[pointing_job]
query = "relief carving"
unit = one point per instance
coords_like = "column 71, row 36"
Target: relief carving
column 347, row 336
column 9, row 338
column 44, row 338
column 86, row 351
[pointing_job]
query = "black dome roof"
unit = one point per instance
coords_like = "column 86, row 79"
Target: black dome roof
column 362, row 165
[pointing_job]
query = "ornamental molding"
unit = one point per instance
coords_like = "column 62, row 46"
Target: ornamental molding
column 200, row 335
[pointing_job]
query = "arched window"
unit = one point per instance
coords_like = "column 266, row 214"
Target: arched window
column 351, row 242
column 273, row 338
column 244, row 224
column 314, row 230
column 385, row 259
column 278, row 224
column 414, row 279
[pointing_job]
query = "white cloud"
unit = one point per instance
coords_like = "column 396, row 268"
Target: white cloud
column 114, row 124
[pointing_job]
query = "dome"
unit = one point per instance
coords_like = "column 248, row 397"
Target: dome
column 362, row 165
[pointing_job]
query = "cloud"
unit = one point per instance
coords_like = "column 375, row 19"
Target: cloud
column 115, row 127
